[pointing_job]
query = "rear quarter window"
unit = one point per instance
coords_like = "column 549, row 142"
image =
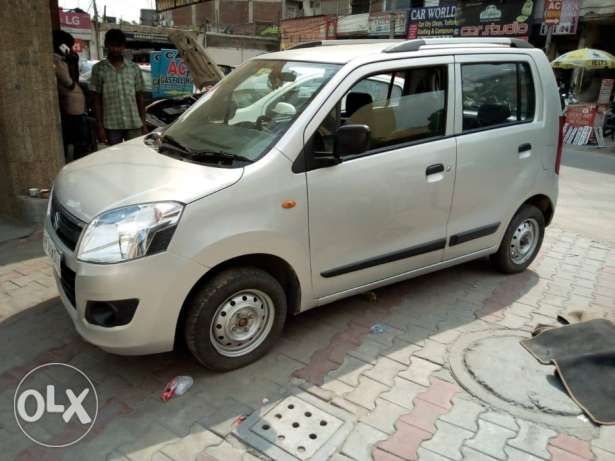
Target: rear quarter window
column 497, row 94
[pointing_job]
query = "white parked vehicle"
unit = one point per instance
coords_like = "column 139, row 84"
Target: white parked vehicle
column 380, row 162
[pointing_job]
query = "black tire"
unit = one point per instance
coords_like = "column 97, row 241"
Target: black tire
column 503, row 260
column 205, row 302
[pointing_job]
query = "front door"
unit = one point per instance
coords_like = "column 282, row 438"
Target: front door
column 384, row 212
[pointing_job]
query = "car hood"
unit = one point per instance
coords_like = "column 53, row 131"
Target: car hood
column 132, row 173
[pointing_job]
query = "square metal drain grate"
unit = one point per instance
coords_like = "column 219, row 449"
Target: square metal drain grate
column 300, row 427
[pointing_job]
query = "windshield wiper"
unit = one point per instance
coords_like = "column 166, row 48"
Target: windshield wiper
column 218, row 155
column 169, row 141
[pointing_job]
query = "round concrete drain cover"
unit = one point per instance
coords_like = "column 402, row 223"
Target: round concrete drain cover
column 494, row 367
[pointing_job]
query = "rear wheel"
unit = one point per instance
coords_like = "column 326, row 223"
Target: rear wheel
column 235, row 318
column 521, row 242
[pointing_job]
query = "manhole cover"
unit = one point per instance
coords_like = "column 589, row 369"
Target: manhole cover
column 494, row 367
column 300, row 427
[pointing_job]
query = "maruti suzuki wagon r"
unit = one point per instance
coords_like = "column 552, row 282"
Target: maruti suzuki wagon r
column 303, row 177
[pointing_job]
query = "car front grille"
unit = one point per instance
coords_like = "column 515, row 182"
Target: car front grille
column 67, row 227
column 67, row 279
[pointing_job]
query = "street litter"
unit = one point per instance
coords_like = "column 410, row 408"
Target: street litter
column 379, row 328
column 240, row 419
column 177, row 386
column 370, row 296
column 265, row 401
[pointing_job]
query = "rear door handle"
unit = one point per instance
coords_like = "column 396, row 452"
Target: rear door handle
column 433, row 169
column 525, row 147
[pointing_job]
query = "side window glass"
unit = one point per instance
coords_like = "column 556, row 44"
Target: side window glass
column 402, row 106
column 496, row 94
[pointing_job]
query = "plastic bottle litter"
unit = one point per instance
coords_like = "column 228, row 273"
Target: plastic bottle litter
column 177, row 386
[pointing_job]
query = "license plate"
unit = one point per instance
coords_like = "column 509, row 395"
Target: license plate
column 52, row 252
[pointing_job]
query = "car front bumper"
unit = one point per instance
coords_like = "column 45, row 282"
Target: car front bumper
column 160, row 282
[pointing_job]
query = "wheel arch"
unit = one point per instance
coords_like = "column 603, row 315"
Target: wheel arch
column 277, row 267
column 543, row 203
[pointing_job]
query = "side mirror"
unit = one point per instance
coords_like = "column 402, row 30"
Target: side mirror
column 351, row 140
column 284, row 108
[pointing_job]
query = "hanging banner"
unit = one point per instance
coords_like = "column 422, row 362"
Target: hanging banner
column 379, row 24
column 568, row 20
column 498, row 18
column 170, row 75
column 553, row 11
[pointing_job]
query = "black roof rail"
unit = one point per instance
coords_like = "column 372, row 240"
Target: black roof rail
column 416, row 44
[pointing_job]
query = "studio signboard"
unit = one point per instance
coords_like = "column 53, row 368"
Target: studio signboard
column 510, row 18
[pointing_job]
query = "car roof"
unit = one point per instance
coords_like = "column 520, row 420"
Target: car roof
column 344, row 51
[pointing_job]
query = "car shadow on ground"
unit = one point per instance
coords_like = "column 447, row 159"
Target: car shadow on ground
column 328, row 343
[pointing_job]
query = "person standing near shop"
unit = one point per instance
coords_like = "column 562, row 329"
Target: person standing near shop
column 117, row 85
column 75, row 131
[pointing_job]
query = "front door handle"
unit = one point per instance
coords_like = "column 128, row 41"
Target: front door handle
column 433, row 169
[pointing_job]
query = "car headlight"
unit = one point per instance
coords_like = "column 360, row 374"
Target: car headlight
column 129, row 232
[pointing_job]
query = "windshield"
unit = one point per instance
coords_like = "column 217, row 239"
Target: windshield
column 248, row 111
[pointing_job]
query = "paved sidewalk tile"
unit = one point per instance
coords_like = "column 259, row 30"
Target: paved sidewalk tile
column 517, row 455
column 501, row 418
column 402, row 352
column 403, row 392
column 349, row 371
column 469, row 454
column 384, row 371
column 532, row 438
column 405, row 442
column 187, row 448
column 433, row 351
column 440, row 393
column 423, row 415
column 360, row 442
column 366, row 393
column 573, row 445
column 419, row 371
column 606, row 440
column 464, row 413
column 491, row 439
column 602, row 455
column 384, row 416
column 447, row 440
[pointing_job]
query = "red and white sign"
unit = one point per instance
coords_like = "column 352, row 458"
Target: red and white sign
column 73, row 20
column 581, row 114
column 606, row 88
column 553, row 11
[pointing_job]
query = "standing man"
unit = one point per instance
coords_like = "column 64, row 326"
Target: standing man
column 117, row 85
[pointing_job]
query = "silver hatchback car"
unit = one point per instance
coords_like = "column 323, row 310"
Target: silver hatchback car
column 307, row 176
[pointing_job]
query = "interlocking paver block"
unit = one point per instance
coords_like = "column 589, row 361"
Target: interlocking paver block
column 573, row 445
column 360, row 442
column 368, row 351
column 403, row 392
column 469, row 454
column 464, row 414
column 601, row 455
column 401, row 352
column 349, row 371
column 532, row 439
column 606, row 440
column 384, row 416
column 419, row 371
column 225, row 451
column 428, row 455
column 189, row 447
column 517, row 455
column 447, row 440
column 423, row 415
column 501, row 418
column 366, row 393
column 405, row 441
column 381, row 455
column 337, row 388
column 557, row 454
column 150, row 442
column 491, row 439
column 433, row 351
column 384, row 371
column 440, row 393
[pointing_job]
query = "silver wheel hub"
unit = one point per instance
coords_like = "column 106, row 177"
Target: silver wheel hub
column 524, row 241
column 242, row 323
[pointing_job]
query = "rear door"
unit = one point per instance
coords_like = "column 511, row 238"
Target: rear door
column 499, row 122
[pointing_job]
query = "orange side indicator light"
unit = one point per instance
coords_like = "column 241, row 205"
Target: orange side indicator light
column 288, row 204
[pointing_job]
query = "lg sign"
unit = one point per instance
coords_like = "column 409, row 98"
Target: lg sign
column 74, row 20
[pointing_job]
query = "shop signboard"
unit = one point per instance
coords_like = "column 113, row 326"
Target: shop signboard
column 353, row 24
column 606, row 88
column 568, row 19
column 581, row 114
column 553, row 10
column 170, row 75
column 499, row 18
column 379, row 24
column 78, row 24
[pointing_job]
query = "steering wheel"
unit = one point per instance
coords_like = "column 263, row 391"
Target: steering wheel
column 262, row 122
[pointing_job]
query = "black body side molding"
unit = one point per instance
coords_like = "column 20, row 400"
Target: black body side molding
column 472, row 234
column 390, row 257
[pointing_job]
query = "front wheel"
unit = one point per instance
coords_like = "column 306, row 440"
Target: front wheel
column 521, row 242
column 235, row 318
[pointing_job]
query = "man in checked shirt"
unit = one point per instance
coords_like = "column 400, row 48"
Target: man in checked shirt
column 118, row 86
